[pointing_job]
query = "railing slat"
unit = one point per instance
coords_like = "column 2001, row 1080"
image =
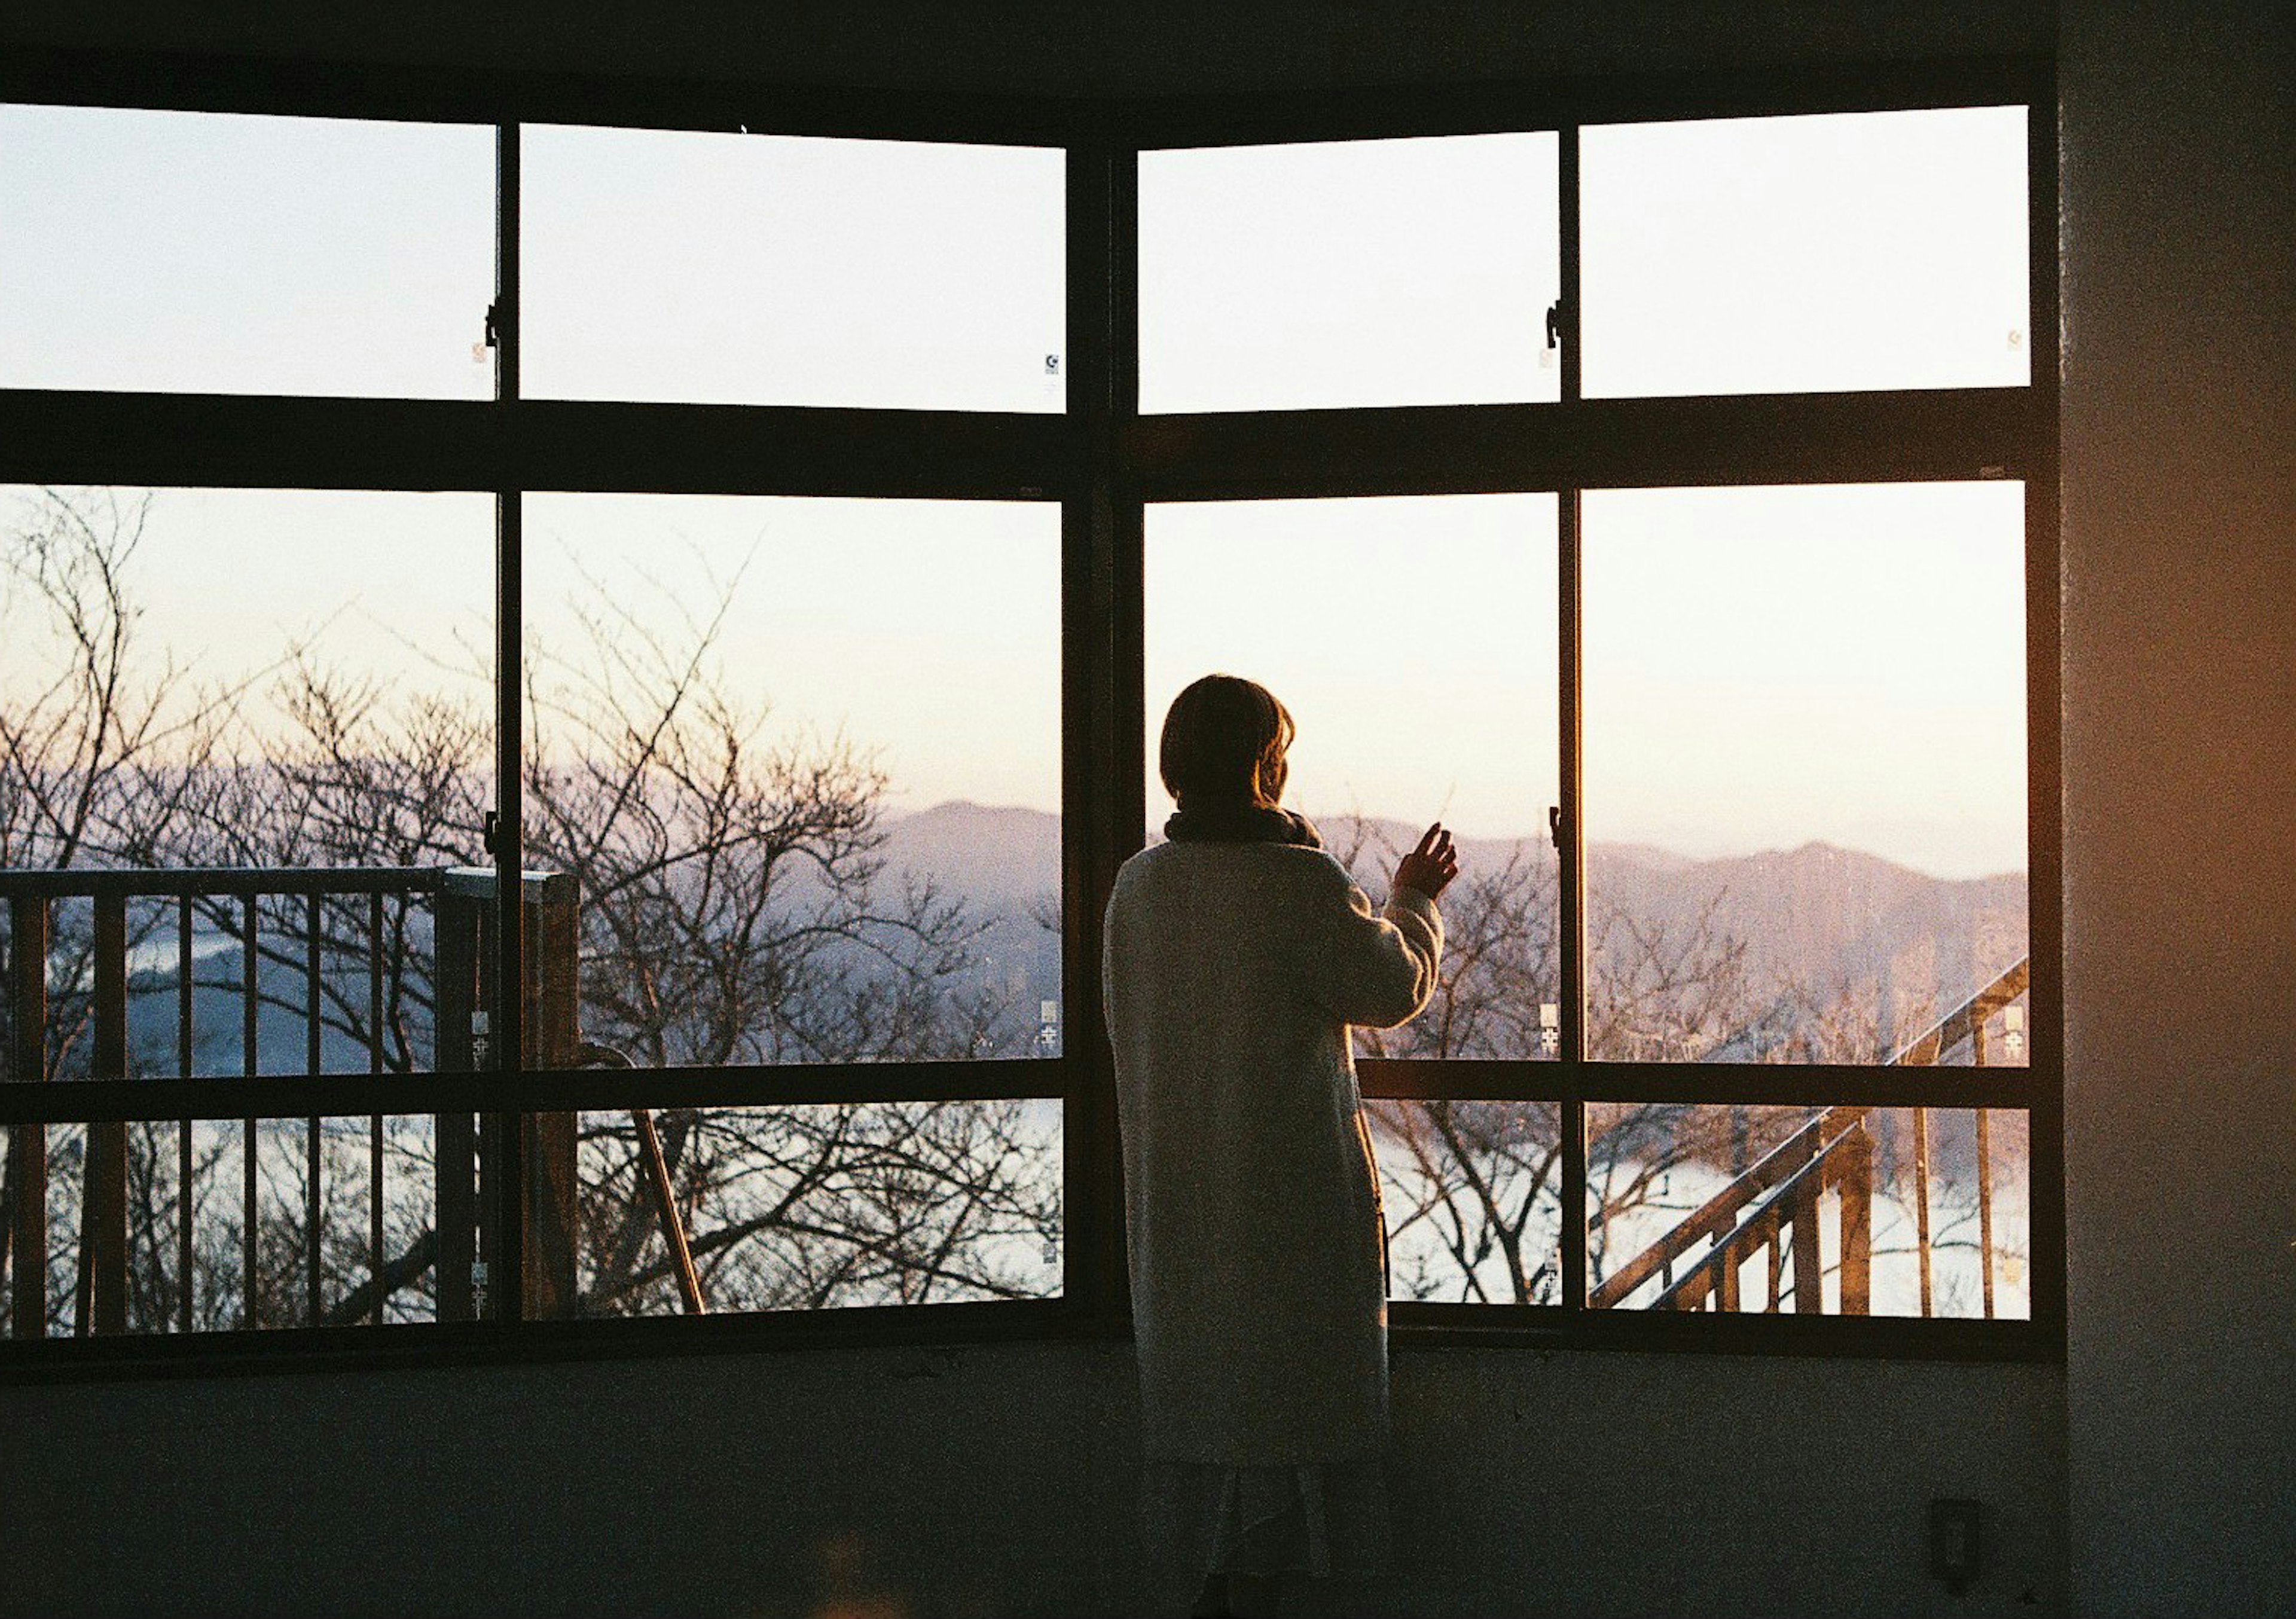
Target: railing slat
column 103, row 1188
column 250, row 1203
column 314, row 1165
column 184, row 1131
column 376, row 1262
column 1857, row 1183
column 1808, row 1264
column 27, row 1144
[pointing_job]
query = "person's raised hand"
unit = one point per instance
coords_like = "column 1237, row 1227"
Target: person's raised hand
column 1431, row 867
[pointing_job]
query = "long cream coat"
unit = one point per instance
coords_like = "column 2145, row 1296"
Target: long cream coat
column 1232, row 971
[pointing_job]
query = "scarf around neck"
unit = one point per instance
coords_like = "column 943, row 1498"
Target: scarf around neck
column 1241, row 823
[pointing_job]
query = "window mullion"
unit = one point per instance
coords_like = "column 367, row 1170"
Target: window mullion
column 1569, row 840
column 506, row 1218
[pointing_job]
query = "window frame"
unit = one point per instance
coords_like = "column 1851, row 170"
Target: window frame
column 1103, row 463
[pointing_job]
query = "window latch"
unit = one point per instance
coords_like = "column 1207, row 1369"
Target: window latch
column 1554, row 324
column 491, row 834
column 1555, row 825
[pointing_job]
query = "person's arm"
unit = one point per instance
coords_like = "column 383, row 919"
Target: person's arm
column 1377, row 968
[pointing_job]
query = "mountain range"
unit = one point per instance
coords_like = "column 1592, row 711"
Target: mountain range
column 1819, row 916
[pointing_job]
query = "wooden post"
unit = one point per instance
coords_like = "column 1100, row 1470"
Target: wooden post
column 548, row 1245
column 1808, row 1266
column 553, row 1024
column 27, row 1144
column 1985, row 1204
column 1858, row 1223
column 456, row 925
column 1922, row 1198
column 102, row 1304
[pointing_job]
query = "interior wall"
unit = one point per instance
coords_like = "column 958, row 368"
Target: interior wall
column 2180, row 800
column 1002, row 1480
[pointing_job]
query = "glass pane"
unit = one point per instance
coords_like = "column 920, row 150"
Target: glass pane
column 225, row 253
column 818, row 1208
column 1791, row 255
column 1805, row 773
column 1355, row 272
column 314, row 1187
column 739, row 269
column 802, row 759
column 1473, row 1195
column 1889, row 1211
column 1404, row 714
column 263, row 681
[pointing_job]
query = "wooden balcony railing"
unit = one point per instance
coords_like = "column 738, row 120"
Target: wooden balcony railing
column 1774, row 1209
column 367, row 963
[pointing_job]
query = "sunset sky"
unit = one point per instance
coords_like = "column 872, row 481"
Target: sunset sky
column 1763, row 667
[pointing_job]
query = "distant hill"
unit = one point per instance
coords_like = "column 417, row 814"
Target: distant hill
column 1818, row 915
column 1000, row 856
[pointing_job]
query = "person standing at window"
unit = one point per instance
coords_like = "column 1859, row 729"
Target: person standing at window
column 1236, row 955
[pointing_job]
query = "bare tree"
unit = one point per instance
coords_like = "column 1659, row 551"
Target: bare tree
column 736, row 907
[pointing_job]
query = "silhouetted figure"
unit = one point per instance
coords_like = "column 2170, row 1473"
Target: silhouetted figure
column 1236, row 955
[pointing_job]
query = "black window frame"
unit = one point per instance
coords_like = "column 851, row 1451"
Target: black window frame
column 1104, row 463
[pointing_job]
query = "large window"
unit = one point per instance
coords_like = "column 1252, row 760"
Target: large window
column 576, row 688
column 1734, row 686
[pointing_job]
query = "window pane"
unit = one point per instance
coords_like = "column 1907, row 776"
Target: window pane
column 816, row 1208
column 1789, row 255
column 1406, row 713
column 1356, row 273
column 1473, row 1197
column 737, row 269
column 1890, row 1211
column 802, row 759
column 263, row 681
column 214, row 253
column 1805, row 773
column 190, row 1190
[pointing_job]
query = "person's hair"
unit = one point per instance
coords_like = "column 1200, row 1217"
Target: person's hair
column 1224, row 742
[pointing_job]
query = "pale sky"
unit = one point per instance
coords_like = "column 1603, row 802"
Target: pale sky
column 1763, row 668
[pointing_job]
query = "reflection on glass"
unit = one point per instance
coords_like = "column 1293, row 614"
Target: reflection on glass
column 1786, row 255
column 814, row 1208
column 802, row 759
column 1841, row 1211
column 1407, row 712
column 739, row 269
column 1805, row 773
column 1357, row 273
column 228, row 253
column 1473, row 1199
